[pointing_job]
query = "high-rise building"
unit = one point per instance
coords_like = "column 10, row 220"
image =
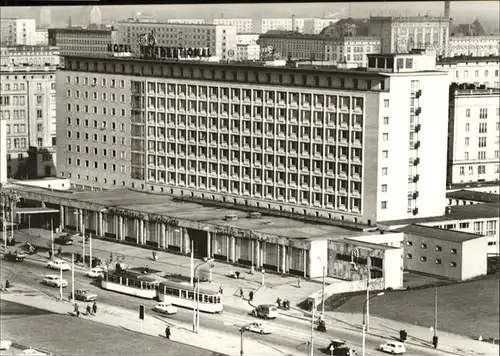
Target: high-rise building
column 18, row 32
column 28, row 107
column 473, row 141
column 404, row 33
column 357, row 145
column 95, row 16
column 45, row 17
column 82, row 41
column 242, row 25
column 221, row 40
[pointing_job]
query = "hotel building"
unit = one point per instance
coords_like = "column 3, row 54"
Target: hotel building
column 28, row 107
column 475, row 70
column 474, row 124
column 82, row 41
column 221, row 40
column 18, row 32
column 402, row 34
column 317, row 142
column 477, row 46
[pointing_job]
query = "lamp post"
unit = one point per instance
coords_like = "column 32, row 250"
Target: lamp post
column 79, row 214
column 311, row 351
column 4, row 226
column 364, row 319
column 60, row 284
column 52, row 235
column 196, row 291
column 242, row 330
column 72, row 278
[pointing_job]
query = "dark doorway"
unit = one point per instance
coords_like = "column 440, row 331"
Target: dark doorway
column 199, row 239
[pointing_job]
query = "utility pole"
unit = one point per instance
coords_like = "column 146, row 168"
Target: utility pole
column 60, row 284
column 368, row 298
column 242, row 330
column 198, row 305
column 435, row 311
column 323, row 293
column 72, row 278
column 90, row 251
column 52, row 235
column 192, row 262
column 82, row 230
column 311, row 353
column 4, row 227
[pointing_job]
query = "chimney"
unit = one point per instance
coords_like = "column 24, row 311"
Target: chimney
column 447, row 9
column 293, row 23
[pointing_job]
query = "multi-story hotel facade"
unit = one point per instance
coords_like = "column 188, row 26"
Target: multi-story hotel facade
column 28, row 107
column 308, row 141
column 402, row 34
column 29, row 55
column 474, row 124
column 477, row 46
column 18, row 32
column 220, row 40
column 472, row 70
column 82, row 41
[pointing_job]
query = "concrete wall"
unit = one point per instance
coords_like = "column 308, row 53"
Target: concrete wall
column 56, row 184
column 346, row 287
column 393, row 239
column 393, row 268
column 474, row 262
column 318, row 258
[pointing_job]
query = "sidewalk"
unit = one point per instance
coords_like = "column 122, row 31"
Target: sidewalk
column 275, row 286
column 217, row 341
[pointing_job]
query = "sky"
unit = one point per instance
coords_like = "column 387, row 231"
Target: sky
column 461, row 11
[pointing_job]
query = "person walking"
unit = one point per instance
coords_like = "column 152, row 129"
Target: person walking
column 250, row 296
column 89, row 310
column 94, row 308
column 50, row 254
column 167, row 332
column 241, row 293
column 77, row 312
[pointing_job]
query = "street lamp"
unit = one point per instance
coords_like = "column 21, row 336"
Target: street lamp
column 196, row 304
column 242, row 330
column 364, row 318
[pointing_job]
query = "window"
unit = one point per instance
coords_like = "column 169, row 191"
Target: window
column 423, row 259
column 471, row 170
column 466, row 141
column 453, row 264
column 481, row 155
column 384, row 171
column 409, row 243
column 482, row 142
column 439, row 248
column 386, row 103
column 409, row 256
column 384, row 188
column 386, row 120
column 438, row 261
column 383, row 204
column 424, row 246
column 481, row 169
column 467, row 113
column 466, row 155
column 385, row 154
column 385, row 136
column 453, row 251
column 482, row 127
column 467, row 127
column 483, row 113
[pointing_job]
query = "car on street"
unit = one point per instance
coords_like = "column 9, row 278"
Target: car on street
column 393, row 347
column 343, row 351
column 54, row 281
column 15, row 256
column 265, row 311
column 59, row 265
column 5, row 344
column 257, row 327
column 165, row 308
column 337, row 344
column 85, row 295
column 96, row 272
column 64, row 240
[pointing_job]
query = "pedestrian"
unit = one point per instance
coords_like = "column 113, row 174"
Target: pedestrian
column 77, row 312
column 167, row 332
column 299, row 282
column 50, row 254
column 250, row 296
column 7, row 284
column 89, row 310
column 435, row 341
column 278, row 302
column 94, row 308
column 221, row 291
column 241, row 293
column 59, row 251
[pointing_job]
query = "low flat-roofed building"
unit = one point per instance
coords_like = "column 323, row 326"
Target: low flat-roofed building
column 480, row 46
column 445, row 253
column 29, row 55
column 471, row 69
column 464, row 197
column 485, row 187
column 249, row 238
column 481, row 219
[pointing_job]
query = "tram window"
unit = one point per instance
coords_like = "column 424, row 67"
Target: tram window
column 200, row 298
column 218, row 300
column 190, row 295
column 211, row 300
column 183, row 294
column 130, row 282
column 205, row 298
column 169, row 291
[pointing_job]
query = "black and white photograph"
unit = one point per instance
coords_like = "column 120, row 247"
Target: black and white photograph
column 250, row 178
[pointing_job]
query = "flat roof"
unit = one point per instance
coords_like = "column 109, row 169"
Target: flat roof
column 163, row 204
column 473, row 185
column 35, row 211
column 475, row 196
column 458, row 212
column 371, row 244
column 439, row 234
column 463, row 59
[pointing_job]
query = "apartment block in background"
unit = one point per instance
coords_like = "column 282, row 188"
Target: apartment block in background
column 82, row 41
column 18, row 32
column 29, row 55
column 472, row 70
column 242, row 25
column 476, row 46
column 352, row 50
column 294, row 45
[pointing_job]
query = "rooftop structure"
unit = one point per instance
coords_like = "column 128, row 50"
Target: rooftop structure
column 437, row 233
column 472, row 196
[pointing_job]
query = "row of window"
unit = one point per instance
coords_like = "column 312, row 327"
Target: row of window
column 93, row 82
column 96, row 179
column 481, row 169
column 481, row 155
column 97, row 138
column 481, row 141
column 476, row 73
column 104, row 166
column 95, row 151
column 104, row 96
column 95, row 111
column 103, row 125
column 424, row 259
column 483, row 127
column 21, row 86
column 424, row 246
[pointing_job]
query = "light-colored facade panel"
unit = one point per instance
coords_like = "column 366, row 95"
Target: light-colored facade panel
column 474, row 264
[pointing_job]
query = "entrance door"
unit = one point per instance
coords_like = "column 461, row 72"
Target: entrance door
column 200, row 242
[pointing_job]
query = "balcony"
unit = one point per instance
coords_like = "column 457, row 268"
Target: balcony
column 416, row 178
column 415, row 195
column 416, row 161
column 417, row 128
column 418, row 111
column 417, row 145
column 415, row 211
column 418, row 94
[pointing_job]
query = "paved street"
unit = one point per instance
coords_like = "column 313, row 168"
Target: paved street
column 291, row 335
column 67, row 335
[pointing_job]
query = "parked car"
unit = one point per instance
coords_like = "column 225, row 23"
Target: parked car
column 343, row 351
column 54, row 281
column 257, row 327
column 165, row 308
column 5, row 344
column 337, row 344
column 85, row 295
column 96, row 272
column 393, row 347
column 64, row 240
column 266, row 311
column 15, row 256
column 59, row 265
